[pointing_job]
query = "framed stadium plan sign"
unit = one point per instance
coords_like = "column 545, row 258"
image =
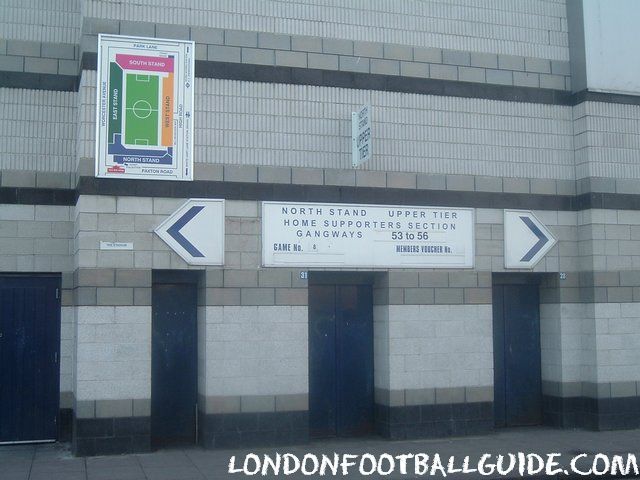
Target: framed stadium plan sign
column 144, row 122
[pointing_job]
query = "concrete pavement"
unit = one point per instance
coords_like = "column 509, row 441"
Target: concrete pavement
column 54, row 461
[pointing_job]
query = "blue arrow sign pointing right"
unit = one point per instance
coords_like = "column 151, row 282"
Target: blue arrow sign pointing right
column 174, row 231
column 542, row 239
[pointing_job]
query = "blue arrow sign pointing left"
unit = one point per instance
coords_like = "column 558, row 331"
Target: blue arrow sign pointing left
column 542, row 239
column 174, row 231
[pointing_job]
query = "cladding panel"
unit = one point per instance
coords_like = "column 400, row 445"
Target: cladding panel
column 37, row 130
column 533, row 28
column 245, row 123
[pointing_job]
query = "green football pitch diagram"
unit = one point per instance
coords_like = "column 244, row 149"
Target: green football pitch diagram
column 145, row 113
column 142, row 109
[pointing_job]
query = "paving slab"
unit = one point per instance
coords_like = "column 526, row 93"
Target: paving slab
column 55, row 462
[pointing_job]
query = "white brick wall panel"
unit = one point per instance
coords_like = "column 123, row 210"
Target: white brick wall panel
column 52, row 21
column 535, row 30
column 67, row 349
column 421, row 340
column 37, row 130
column 97, row 352
column 256, row 350
column 113, row 352
column 618, row 373
column 568, row 346
column 123, row 388
column 597, row 343
column 284, row 125
column 607, row 140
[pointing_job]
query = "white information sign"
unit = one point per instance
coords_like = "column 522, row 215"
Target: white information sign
column 116, row 245
column 361, row 136
column 196, row 231
column 526, row 239
column 144, row 119
column 366, row 236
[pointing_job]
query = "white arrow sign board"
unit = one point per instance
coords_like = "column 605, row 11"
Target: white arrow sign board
column 196, row 231
column 526, row 239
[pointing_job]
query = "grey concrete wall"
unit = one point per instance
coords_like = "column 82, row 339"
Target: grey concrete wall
column 606, row 145
column 427, row 350
column 589, row 320
column 575, row 22
column 609, row 241
column 253, row 329
column 113, row 356
column 589, row 349
column 36, row 238
column 39, row 238
column 29, row 56
column 37, row 134
column 31, row 20
column 534, row 28
column 255, row 318
column 432, row 327
column 260, row 48
column 302, row 126
column 256, row 358
column 67, row 356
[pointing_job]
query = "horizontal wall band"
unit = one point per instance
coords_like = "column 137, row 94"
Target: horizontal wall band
column 123, row 408
column 315, row 193
column 387, row 83
column 608, row 201
column 434, row 421
column 40, row 81
column 341, row 79
column 244, row 430
column 433, row 396
column 364, row 195
column 372, row 56
column 38, row 196
column 599, row 414
column 365, row 81
column 111, row 436
column 618, row 389
column 587, row 96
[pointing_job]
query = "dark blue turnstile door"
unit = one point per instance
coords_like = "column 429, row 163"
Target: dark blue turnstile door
column 29, row 352
column 322, row 360
column 340, row 360
column 174, row 365
column 517, row 370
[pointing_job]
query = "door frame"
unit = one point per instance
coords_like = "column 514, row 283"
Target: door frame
column 513, row 278
column 342, row 278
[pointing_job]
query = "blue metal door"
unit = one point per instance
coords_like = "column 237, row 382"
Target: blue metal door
column 517, row 369
column 29, row 352
column 340, row 360
column 174, row 364
column 322, row 361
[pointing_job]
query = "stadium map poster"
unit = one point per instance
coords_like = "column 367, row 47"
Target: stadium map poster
column 144, row 123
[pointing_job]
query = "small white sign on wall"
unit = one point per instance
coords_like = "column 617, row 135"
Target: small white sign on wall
column 361, row 136
column 366, row 236
column 116, row 245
